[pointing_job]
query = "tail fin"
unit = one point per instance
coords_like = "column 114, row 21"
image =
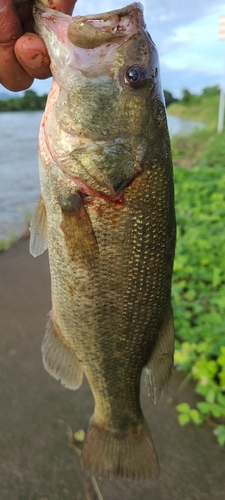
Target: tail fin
column 130, row 454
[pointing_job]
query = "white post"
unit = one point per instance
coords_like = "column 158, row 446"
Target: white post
column 221, row 111
column 222, row 97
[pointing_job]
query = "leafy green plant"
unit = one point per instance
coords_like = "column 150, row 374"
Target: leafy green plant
column 199, row 277
column 187, row 414
column 209, row 376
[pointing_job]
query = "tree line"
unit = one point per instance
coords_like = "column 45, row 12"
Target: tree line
column 189, row 98
column 29, row 102
column 33, row 102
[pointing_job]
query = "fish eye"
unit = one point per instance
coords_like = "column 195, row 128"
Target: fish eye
column 135, row 76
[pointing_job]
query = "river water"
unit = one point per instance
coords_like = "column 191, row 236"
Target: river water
column 19, row 180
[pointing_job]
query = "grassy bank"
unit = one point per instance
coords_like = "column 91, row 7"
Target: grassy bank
column 199, row 271
column 7, row 243
column 202, row 107
column 10, row 239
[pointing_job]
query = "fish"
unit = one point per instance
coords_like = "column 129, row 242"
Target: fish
column 106, row 215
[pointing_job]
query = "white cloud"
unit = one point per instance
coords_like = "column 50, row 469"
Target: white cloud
column 195, row 47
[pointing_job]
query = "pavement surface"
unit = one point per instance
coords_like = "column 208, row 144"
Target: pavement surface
column 37, row 414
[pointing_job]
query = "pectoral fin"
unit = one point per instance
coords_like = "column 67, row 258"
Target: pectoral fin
column 59, row 360
column 159, row 367
column 79, row 236
column 38, row 229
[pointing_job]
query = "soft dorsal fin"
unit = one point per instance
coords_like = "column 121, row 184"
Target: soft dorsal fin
column 38, row 229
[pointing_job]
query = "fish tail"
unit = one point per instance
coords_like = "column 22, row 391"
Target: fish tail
column 130, row 454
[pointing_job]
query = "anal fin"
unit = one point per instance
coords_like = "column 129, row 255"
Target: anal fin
column 59, row 360
column 38, row 229
column 160, row 364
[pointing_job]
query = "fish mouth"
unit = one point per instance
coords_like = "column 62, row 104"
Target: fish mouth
column 92, row 31
column 86, row 43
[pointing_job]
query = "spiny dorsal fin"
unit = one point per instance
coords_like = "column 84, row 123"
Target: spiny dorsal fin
column 38, row 229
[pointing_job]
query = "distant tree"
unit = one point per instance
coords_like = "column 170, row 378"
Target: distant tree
column 186, row 96
column 211, row 91
column 169, row 98
column 42, row 100
column 29, row 102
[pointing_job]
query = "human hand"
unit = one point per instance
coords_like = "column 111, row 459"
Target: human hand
column 23, row 55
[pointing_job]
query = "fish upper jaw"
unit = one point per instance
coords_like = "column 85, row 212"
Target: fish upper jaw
column 79, row 43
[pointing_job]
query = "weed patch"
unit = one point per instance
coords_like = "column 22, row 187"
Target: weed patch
column 199, row 275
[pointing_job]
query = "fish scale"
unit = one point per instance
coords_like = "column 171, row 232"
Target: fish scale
column 106, row 214
column 105, row 285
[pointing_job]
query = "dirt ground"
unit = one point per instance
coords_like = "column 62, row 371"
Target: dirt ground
column 37, row 413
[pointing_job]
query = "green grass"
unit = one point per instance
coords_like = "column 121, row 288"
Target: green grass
column 202, row 108
column 11, row 238
column 199, row 270
column 7, row 243
column 204, row 148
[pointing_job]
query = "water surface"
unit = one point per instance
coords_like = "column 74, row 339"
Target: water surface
column 19, row 178
column 181, row 126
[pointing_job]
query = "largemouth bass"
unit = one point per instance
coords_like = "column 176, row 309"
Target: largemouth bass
column 106, row 215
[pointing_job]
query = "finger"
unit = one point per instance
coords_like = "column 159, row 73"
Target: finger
column 31, row 51
column 65, row 6
column 12, row 75
column 32, row 55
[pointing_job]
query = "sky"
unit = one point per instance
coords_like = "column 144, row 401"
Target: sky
column 186, row 35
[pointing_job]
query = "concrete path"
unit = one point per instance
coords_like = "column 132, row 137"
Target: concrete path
column 36, row 412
